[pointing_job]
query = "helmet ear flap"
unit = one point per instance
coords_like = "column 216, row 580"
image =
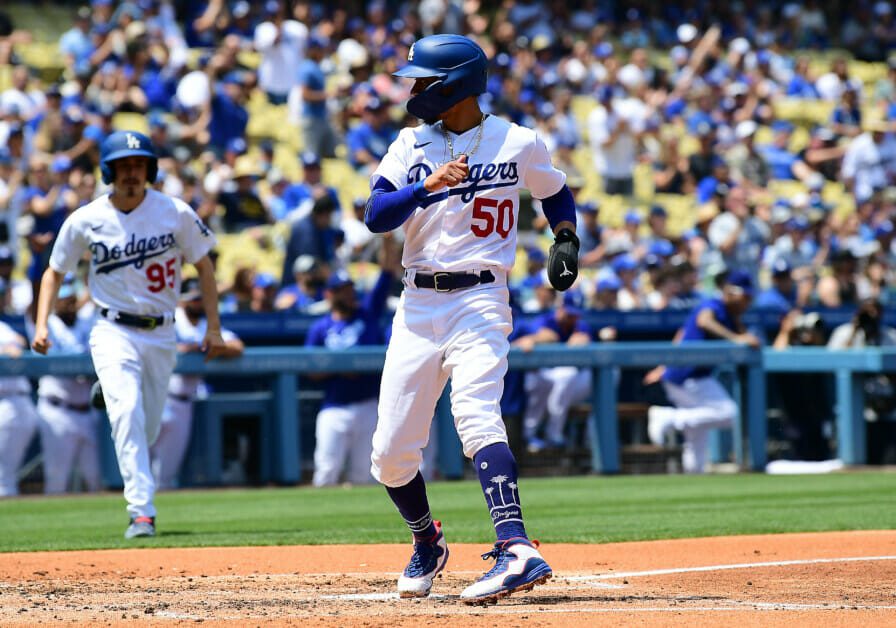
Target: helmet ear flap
column 152, row 171
column 108, row 173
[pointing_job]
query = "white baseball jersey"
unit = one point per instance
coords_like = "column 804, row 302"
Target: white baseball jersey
column 135, row 256
column 187, row 332
column 473, row 224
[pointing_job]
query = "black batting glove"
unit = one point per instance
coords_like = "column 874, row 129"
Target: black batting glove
column 563, row 260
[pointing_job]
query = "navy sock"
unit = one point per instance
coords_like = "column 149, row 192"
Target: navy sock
column 413, row 506
column 497, row 471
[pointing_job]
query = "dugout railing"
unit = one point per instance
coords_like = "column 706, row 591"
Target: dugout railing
column 280, row 417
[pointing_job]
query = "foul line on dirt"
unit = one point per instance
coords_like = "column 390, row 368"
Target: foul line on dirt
column 677, row 570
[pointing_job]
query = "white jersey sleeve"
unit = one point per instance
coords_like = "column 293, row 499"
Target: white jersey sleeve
column 540, row 176
column 70, row 245
column 394, row 167
column 193, row 237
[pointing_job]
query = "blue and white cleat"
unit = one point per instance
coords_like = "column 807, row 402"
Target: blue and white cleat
column 428, row 559
column 141, row 527
column 518, row 567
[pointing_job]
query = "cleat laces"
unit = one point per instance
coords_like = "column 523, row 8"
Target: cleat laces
column 422, row 560
column 502, row 557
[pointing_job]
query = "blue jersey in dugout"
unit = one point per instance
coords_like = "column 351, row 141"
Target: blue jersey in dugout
column 693, row 333
column 362, row 329
column 549, row 321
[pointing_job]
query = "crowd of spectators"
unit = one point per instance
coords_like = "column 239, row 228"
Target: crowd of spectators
column 685, row 91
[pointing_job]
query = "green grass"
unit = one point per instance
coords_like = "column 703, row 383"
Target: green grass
column 578, row 510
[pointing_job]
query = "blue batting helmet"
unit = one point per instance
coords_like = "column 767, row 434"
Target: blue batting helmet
column 121, row 144
column 458, row 62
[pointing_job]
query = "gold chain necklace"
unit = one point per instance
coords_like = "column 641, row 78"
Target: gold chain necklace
column 449, row 145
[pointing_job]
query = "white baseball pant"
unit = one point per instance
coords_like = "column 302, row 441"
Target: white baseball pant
column 430, row 464
column 344, row 435
column 554, row 390
column 69, row 441
column 134, row 367
column 701, row 404
column 437, row 335
column 18, row 420
column 167, row 453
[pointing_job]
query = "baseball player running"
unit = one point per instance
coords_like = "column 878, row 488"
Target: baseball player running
column 137, row 239
column 453, row 183
column 190, row 326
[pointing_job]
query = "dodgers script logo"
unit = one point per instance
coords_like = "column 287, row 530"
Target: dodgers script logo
column 107, row 258
column 481, row 177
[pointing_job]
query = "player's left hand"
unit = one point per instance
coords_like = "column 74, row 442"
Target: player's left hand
column 213, row 344
column 563, row 260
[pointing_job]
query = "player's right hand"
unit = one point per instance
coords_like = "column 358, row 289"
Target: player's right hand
column 41, row 342
column 447, row 175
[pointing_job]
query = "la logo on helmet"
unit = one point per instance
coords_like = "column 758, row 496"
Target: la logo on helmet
column 411, row 52
column 133, row 142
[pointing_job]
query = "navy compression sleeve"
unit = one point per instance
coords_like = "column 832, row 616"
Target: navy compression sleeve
column 388, row 208
column 559, row 207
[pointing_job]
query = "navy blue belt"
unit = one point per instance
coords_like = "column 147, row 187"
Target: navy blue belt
column 135, row 320
column 446, row 282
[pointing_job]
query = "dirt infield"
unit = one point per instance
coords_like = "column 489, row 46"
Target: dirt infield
column 824, row 579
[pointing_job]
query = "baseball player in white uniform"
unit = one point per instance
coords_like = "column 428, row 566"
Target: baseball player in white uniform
column 454, row 183
column 18, row 418
column 137, row 239
column 190, row 326
column 68, row 423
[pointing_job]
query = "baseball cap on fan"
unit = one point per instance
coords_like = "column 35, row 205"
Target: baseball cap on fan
column 339, row 279
column 573, row 303
column 241, row 9
column 189, row 289
column 310, row 159
column 741, row 280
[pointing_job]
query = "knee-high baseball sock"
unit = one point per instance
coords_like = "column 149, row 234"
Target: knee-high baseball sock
column 498, row 475
column 413, row 506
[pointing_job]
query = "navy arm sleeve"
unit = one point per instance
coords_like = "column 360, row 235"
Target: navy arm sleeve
column 559, row 207
column 388, row 208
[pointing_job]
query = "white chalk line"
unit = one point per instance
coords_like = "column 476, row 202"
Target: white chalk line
column 677, row 570
column 631, row 574
column 594, row 580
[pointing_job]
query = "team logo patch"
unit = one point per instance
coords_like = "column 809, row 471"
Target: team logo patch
column 411, row 53
column 503, row 500
column 133, row 141
column 202, row 228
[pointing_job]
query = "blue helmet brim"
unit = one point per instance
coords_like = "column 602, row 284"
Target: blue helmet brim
column 129, row 152
column 416, row 72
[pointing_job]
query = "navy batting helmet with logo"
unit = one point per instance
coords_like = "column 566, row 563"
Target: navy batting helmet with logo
column 458, row 62
column 121, row 144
